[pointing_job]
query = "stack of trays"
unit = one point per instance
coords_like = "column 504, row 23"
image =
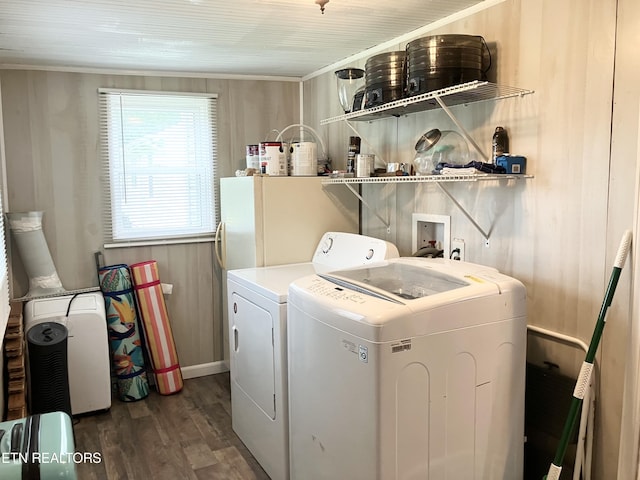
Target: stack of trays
column 428, row 64
column 440, row 61
column 384, row 78
column 15, row 360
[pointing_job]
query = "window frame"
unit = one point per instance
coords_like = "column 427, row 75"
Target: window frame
column 106, row 146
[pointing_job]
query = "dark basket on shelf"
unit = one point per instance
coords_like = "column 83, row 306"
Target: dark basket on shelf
column 384, row 78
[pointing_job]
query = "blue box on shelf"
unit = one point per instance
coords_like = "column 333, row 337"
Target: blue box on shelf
column 512, row 163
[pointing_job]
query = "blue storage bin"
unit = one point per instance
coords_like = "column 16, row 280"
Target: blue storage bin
column 512, row 163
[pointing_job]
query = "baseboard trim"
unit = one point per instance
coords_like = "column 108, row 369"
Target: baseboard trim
column 204, row 369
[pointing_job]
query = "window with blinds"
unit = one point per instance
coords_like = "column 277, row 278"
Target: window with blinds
column 159, row 159
column 5, row 307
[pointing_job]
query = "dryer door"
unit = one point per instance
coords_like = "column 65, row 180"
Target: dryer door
column 252, row 352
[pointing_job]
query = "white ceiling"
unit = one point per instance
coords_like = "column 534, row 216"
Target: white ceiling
column 290, row 38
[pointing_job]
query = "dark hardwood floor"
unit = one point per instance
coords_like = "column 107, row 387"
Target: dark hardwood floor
column 183, row 436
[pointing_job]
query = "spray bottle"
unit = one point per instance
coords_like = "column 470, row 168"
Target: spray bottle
column 500, row 143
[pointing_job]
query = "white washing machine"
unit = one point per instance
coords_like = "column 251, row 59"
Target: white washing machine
column 87, row 345
column 257, row 299
column 413, row 369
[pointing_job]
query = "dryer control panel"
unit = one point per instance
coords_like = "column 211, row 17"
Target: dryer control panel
column 337, row 249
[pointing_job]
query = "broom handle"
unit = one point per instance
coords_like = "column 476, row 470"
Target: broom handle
column 584, row 378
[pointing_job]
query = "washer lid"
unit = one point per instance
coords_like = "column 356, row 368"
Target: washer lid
column 406, row 281
column 407, row 297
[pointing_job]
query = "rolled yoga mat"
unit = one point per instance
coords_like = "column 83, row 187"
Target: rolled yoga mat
column 157, row 330
column 124, row 333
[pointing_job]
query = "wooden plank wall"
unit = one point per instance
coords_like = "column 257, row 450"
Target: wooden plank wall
column 51, row 135
column 558, row 232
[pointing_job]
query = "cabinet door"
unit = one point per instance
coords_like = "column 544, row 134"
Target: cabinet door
column 238, row 213
column 252, row 352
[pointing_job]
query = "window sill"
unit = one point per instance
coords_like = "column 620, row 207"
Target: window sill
column 151, row 243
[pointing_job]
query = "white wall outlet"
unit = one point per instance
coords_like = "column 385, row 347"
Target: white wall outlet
column 457, row 249
column 428, row 227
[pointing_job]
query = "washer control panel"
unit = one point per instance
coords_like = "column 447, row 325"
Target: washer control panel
column 322, row 288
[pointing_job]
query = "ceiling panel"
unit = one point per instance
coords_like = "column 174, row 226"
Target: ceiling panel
column 244, row 37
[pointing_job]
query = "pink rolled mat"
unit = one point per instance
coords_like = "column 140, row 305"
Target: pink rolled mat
column 157, row 330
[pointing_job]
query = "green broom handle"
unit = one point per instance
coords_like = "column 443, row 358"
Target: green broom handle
column 584, row 378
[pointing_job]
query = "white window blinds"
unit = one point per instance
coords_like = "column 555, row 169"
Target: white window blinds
column 159, row 159
column 5, row 308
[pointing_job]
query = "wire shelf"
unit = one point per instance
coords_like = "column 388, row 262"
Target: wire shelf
column 427, row 178
column 463, row 94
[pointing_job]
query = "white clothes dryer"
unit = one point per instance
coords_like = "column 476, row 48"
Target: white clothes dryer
column 257, row 299
column 410, row 369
